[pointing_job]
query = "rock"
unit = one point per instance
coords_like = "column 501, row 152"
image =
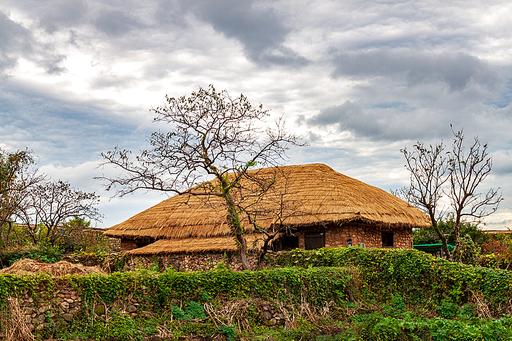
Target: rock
column 266, row 316
column 64, row 305
column 67, row 317
column 39, row 319
column 42, row 309
column 131, row 308
column 146, row 314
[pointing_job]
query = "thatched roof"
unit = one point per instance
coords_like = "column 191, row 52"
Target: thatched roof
column 324, row 196
column 213, row 244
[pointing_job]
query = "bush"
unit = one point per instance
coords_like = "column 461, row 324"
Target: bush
column 45, row 253
column 417, row 276
column 448, row 310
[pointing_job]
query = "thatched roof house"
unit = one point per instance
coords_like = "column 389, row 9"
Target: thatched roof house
column 326, row 208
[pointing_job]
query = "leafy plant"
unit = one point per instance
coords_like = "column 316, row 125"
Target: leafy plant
column 448, row 310
column 122, row 326
column 229, row 332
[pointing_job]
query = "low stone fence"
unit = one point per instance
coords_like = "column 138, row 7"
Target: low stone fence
column 41, row 304
column 44, row 312
column 191, row 261
column 178, row 261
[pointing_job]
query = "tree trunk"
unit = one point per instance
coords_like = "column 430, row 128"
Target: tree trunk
column 441, row 236
column 8, row 235
column 236, row 227
column 243, row 251
column 456, row 251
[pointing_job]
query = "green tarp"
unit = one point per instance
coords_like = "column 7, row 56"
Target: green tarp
column 432, row 248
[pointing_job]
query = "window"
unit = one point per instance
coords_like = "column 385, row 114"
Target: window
column 289, row 243
column 314, row 240
column 387, row 239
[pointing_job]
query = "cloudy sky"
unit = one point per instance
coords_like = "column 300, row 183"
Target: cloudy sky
column 359, row 80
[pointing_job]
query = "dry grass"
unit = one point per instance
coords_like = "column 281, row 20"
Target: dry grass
column 16, row 326
column 482, row 308
column 30, row 266
column 325, row 195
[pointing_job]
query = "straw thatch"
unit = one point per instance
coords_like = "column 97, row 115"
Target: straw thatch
column 191, row 245
column 29, row 266
column 325, row 196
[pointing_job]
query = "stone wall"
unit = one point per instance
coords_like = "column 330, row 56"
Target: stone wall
column 361, row 234
column 114, row 244
column 40, row 311
column 127, row 245
column 191, row 261
column 47, row 311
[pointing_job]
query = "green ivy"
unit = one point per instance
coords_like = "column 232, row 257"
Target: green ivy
column 419, row 277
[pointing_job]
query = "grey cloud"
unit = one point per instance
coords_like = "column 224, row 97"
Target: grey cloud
column 16, row 41
column 53, row 15
column 456, row 70
column 391, row 122
column 170, row 12
column 259, row 29
column 116, row 23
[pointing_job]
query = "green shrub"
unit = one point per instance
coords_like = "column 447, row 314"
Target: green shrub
column 46, row 253
column 229, row 332
column 195, row 310
column 122, row 326
column 417, row 276
column 448, row 310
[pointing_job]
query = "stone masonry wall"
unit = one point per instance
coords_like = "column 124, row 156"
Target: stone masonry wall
column 127, row 245
column 191, row 261
column 369, row 235
column 40, row 311
column 61, row 305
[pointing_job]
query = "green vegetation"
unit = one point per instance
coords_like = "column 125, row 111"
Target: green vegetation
column 44, row 252
column 325, row 294
column 446, row 226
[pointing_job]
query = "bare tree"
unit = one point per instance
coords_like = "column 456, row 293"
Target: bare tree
column 454, row 175
column 428, row 174
column 48, row 205
column 467, row 172
column 16, row 179
column 214, row 140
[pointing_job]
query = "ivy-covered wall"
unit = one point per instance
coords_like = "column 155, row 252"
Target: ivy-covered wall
column 376, row 294
column 47, row 302
column 419, row 278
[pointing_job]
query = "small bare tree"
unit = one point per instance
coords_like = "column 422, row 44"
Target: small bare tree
column 214, row 140
column 454, row 175
column 48, row 205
